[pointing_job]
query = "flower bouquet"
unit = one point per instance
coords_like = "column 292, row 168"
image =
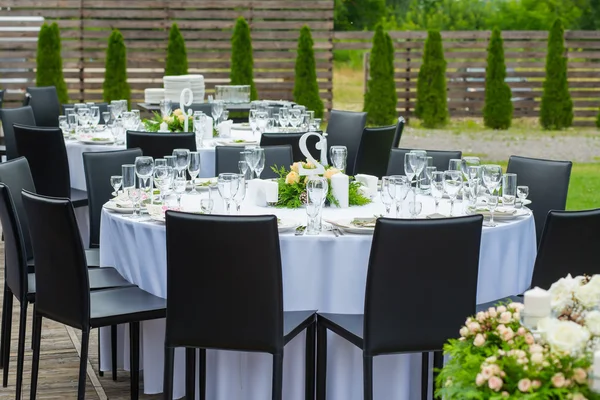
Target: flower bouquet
column 292, row 187
column 175, row 122
column 497, row 357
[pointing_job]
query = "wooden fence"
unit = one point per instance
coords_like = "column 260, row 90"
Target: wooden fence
column 465, row 53
column 206, row 25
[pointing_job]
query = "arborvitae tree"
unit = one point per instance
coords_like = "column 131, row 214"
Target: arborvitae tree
column 306, row 87
column 381, row 97
column 115, row 85
column 498, row 108
column 49, row 70
column 556, row 110
column 432, row 101
column 242, row 61
column 176, row 63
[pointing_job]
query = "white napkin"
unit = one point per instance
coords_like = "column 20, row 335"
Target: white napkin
column 271, row 191
column 224, row 128
column 164, row 127
column 256, row 192
column 369, row 182
column 339, row 188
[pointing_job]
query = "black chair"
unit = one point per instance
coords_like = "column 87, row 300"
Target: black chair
column 158, row 145
column 227, row 157
column 548, row 182
column 235, row 304
column 21, row 283
column 423, row 279
column 293, row 139
column 63, row 283
column 1, row 97
column 345, row 128
column 441, row 159
column 374, row 151
column 44, row 149
column 45, row 104
column 398, row 134
column 9, row 117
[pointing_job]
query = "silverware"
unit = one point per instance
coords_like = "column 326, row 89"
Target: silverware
column 300, row 230
column 339, row 231
column 335, row 232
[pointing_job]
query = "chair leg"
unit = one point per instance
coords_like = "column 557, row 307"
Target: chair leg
column 368, row 377
column 321, row 362
column 309, row 388
column 438, row 363
column 190, row 373
column 35, row 364
column 7, row 332
column 134, row 339
column 424, row 375
column 85, row 344
column 33, row 322
column 100, row 372
column 5, row 313
column 277, row 390
column 21, row 348
column 168, row 373
column 202, row 372
column 113, row 351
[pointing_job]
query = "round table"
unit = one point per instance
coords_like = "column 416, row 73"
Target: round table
column 325, row 273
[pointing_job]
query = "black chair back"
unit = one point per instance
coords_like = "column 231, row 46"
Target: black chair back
column 102, row 106
column 568, row 246
column 45, row 104
column 423, row 278
column 235, row 303
column 16, row 175
column 15, row 259
column 441, row 159
column 292, row 139
column 98, row 167
column 398, row 134
column 374, row 152
column 345, row 128
column 61, row 277
column 548, row 182
column 44, row 149
column 9, row 117
column 1, row 97
column 227, row 157
column 158, row 145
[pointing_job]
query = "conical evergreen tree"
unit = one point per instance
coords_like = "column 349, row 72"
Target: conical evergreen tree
column 498, row 108
column 49, row 70
column 306, row 87
column 432, row 101
column 242, row 61
column 176, row 63
column 381, row 97
column 556, row 110
column 115, row 85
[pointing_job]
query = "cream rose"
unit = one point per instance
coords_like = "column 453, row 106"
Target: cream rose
column 592, row 322
column 578, row 396
column 479, row 380
column 589, row 294
column 558, row 380
column 537, row 358
column 562, row 291
column 331, row 172
column 495, row 383
column 295, row 166
column 292, row 177
column 567, row 336
column 479, row 340
column 170, row 120
column 178, row 112
column 181, row 118
column 524, row 385
column 579, row 375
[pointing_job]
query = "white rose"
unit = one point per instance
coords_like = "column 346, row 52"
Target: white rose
column 562, row 291
column 566, row 336
column 589, row 295
column 592, row 322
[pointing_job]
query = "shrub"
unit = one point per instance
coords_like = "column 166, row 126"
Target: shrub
column 381, row 97
column 49, row 70
column 432, row 101
column 115, row 86
column 498, row 108
column 176, row 63
column 556, row 109
column 242, row 61
column 306, row 87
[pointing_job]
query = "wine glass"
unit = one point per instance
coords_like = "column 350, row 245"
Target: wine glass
column 492, row 175
column 283, row 118
column 217, row 109
column 429, row 173
column 522, row 193
column 94, row 117
column 452, row 185
column 182, row 160
column 243, row 167
column 414, row 208
column 387, row 197
column 73, row 121
column 179, row 185
column 165, row 107
column 194, row 169
column 227, row 184
column 162, row 175
column 128, row 120
column 115, row 182
column 400, row 185
column 259, row 160
column 144, row 168
column 409, row 163
column 83, row 116
column 418, row 165
column 437, row 187
column 262, row 120
column 466, row 163
column 295, row 115
column 338, row 156
column 455, row 164
column 250, row 160
column 63, row 124
column 106, row 117
column 241, row 193
column 492, row 203
column 115, row 109
column 316, row 193
column 252, row 121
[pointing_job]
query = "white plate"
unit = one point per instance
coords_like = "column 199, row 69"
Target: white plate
column 231, row 142
column 241, row 127
column 90, row 141
column 520, row 212
column 112, row 206
column 347, row 226
column 287, row 225
column 483, row 201
column 201, row 183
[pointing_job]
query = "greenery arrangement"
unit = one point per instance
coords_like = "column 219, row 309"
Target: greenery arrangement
column 292, row 187
column 242, row 61
column 381, row 97
column 498, row 108
column 49, row 71
column 175, row 122
column 176, row 63
column 115, row 86
column 306, row 87
column 432, row 102
column 556, row 108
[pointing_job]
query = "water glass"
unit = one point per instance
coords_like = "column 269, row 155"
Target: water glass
column 94, row 117
column 106, row 118
column 316, row 191
column 243, row 167
column 316, row 124
column 492, row 176
column 414, row 208
column 466, row 163
column 492, row 202
column 522, row 192
column 115, row 182
column 194, row 169
column 118, row 131
column 228, row 184
column 437, row 187
column 206, row 205
column 252, row 121
column 162, row 178
column 455, row 164
column 259, row 160
column 426, row 182
column 399, row 188
column 509, row 189
column 165, row 107
column 452, row 185
column 338, row 156
column 241, row 193
column 182, row 160
column 387, row 194
column 144, row 166
column 179, row 185
column 262, row 121
column 128, row 180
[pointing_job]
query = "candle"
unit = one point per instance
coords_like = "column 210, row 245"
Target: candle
column 164, row 127
column 596, row 372
column 339, row 188
column 537, row 303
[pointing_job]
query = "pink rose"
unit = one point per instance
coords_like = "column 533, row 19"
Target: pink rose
column 579, row 375
column 537, row 358
column 492, row 312
column 501, row 328
column 486, row 372
column 536, row 384
column 479, row 380
column 479, row 340
column 508, row 334
column 516, row 306
column 501, row 309
column 536, row 348
column 464, row 331
column 495, row 383
column 474, row 327
column 558, row 380
column 524, row 385
column 480, row 316
column 505, row 317
column 521, row 331
column 529, row 339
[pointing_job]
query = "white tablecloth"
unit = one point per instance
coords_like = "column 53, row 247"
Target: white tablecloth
column 325, row 273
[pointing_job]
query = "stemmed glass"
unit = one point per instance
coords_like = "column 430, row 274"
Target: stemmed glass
column 295, row 115
column 414, row 208
column 466, row 164
column 259, row 160
column 252, row 121
column 250, row 160
column 399, row 188
column 241, row 193
column 492, row 175
column 182, row 157
column 144, row 168
column 228, row 184
column 262, row 120
column 429, row 173
column 409, row 166
column 387, row 197
column 452, row 185
column 418, row 164
column 63, row 124
column 106, row 117
column 94, row 117
column 243, row 166
column 128, row 174
column 115, row 182
column 179, row 185
column 316, row 191
column 115, row 109
column 206, row 204
column 83, row 115
column 72, row 120
column 338, row 156
column 437, row 187
column 194, row 169
column 455, row 164
column 217, row 110
column 165, row 107
column 162, row 177
column 522, row 193
column 283, row 118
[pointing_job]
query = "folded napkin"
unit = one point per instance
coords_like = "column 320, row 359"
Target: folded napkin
column 224, row 128
column 499, row 211
column 369, row 183
column 364, row 222
column 436, row 215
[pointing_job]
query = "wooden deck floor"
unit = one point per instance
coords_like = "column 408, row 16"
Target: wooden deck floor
column 59, row 362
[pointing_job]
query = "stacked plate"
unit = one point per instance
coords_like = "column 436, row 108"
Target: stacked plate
column 175, row 84
column 197, row 86
column 154, row 95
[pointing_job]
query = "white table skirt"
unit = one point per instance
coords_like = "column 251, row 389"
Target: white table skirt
column 325, row 273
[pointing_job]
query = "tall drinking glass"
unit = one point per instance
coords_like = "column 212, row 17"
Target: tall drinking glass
column 338, row 156
column 455, row 164
column 418, row 165
column 144, row 168
column 165, row 107
column 509, row 190
column 128, row 174
column 466, row 163
column 387, row 194
column 401, row 187
column 194, row 169
column 316, row 191
column 182, row 159
column 94, row 117
column 250, row 159
column 162, row 177
column 437, row 187
column 227, row 184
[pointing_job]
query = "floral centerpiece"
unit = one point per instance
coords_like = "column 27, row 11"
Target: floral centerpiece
column 292, row 187
column 175, row 122
column 497, row 357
